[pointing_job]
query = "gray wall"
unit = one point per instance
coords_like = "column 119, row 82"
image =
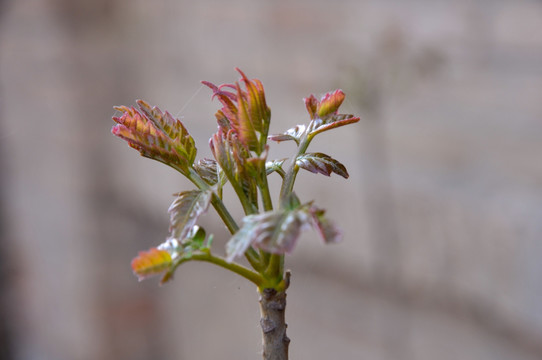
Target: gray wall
column 442, row 212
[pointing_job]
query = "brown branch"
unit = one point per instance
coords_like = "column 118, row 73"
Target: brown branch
column 272, row 309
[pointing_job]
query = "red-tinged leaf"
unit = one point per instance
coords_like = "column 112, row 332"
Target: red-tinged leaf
column 173, row 128
column 324, row 113
column 260, row 114
column 166, row 140
column 318, row 125
column 322, row 164
column 255, row 166
column 252, row 102
column 245, row 110
column 232, row 156
column 312, row 106
column 264, row 109
column 246, row 124
column 222, row 121
column 185, row 211
column 220, row 148
column 150, row 263
column 330, row 103
column 294, row 134
column 143, row 136
column 227, row 99
column 228, row 151
column 218, row 91
column 325, row 228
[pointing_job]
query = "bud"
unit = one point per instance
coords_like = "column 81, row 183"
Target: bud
column 330, row 103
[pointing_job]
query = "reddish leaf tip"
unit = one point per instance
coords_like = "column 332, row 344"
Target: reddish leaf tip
column 210, row 85
column 330, row 103
column 242, row 73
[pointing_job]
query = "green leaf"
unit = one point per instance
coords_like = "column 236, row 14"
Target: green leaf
column 197, row 237
column 321, row 163
column 275, row 165
column 185, row 211
column 194, row 241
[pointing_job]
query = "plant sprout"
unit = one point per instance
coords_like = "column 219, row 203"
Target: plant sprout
column 240, row 147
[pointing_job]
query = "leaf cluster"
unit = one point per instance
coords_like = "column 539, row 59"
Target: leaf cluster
column 240, row 151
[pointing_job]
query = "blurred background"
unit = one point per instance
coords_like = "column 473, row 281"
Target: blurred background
column 442, row 213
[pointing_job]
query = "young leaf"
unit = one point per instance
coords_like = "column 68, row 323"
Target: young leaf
column 325, row 228
column 245, row 110
column 151, row 262
column 161, row 138
column 317, row 126
column 275, row 165
column 163, row 258
column 232, row 156
column 172, row 246
column 181, row 251
column 239, row 243
column 245, row 123
column 294, row 134
column 197, row 238
column 173, row 128
column 312, row 106
column 325, row 115
column 208, row 170
column 221, row 144
column 184, row 248
column 185, row 211
column 273, row 231
column 330, row 103
column 260, row 114
column 144, row 137
column 321, row 163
